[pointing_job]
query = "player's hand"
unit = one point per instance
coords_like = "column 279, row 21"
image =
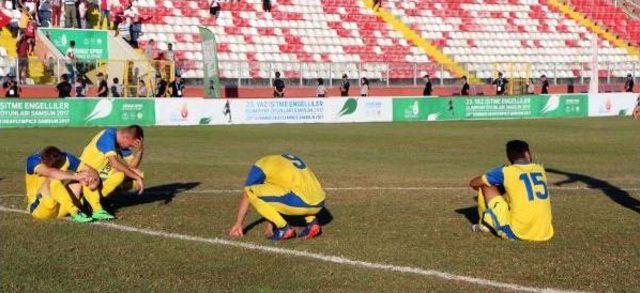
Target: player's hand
column 138, row 172
column 138, row 144
column 140, row 184
column 236, row 231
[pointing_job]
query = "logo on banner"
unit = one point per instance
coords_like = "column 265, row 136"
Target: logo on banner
column 103, row 108
column 349, row 107
column 184, row 111
column 552, row 104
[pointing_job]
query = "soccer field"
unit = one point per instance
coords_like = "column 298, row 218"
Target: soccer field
column 399, row 212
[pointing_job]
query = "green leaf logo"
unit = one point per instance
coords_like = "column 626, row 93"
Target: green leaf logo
column 205, row 120
column 349, row 107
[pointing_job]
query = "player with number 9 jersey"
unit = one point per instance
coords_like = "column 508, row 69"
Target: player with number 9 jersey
column 280, row 185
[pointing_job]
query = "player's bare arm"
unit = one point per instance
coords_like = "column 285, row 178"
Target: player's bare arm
column 58, row 174
column 137, row 156
column 243, row 208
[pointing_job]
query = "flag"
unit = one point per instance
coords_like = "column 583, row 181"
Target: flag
column 210, row 63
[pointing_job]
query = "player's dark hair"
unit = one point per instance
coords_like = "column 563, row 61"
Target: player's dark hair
column 516, row 149
column 52, row 157
column 135, row 130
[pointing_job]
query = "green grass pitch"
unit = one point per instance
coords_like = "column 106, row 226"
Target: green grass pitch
column 189, row 169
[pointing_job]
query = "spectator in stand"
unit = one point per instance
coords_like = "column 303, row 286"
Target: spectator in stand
column 116, row 88
column 501, row 84
column 22, row 48
column 124, row 30
column 64, row 87
column 278, row 86
column 266, row 5
column 105, row 14
column 10, row 84
column 83, row 7
column 142, row 89
column 45, row 13
column 70, row 15
column 628, row 85
column 377, row 4
column 214, row 8
column 321, row 92
column 465, row 86
column 103, row 88
column 30, row 34
column 56, row 6
column 364, row 87
column 161, row 87
column 545, row 85
column 148, row 50
column 177, row 87
column 344, row 86
column 70, row 61
column 428, row 88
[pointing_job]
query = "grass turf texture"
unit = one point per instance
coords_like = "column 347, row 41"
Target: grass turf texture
column 596, row 247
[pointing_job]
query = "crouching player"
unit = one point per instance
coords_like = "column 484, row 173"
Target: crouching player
column 105, row 154
column 54, row 187
column 524, row 211
column 281, row 185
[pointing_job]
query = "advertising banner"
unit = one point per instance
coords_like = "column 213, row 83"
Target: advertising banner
column 90, row 44
column 194, row 111
column 489, row 108
column 76, row 112
column 612, row 104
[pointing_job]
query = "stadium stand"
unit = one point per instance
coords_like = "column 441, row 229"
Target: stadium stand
column 612, row 17
column 308, row 36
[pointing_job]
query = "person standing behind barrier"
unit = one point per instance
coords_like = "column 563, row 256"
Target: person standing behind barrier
column 465, row 86
column 501, row 84
column 70, row 60
column 321, row 91
column 103, row 88
column 628, row 85
column 116, row 88
column 45, row 11
column 83, row 7
column 428, row 88
column 13, row 90
column 56, row 6
column 278, row 86
column 142, row 91
column 214, row 8
column 22, row 48
column 545, row 85
column 70, row 15
column 161, row 87
column 177, row 87
column 344, row 86
column 105, row 13
column 64, row 87
column 364, row 87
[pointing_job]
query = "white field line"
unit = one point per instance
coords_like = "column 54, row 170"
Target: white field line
column 317, row 257
column 362, row 188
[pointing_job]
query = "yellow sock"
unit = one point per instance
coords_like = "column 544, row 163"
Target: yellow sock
column 482, row 206
column 92, row 197
column 61, row 194
column 112, row 182
column 266, row 210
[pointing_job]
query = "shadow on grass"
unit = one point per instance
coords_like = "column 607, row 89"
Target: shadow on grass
column 160, row 193
column 470, row 213
column 615, row 193
column 324, row 217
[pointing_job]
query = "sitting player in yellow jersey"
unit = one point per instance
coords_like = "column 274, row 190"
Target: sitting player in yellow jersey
column 105, row 154
column 524, row 211
column 50, row 176
column 281, row 185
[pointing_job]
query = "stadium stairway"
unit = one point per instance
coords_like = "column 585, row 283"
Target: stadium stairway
column 584, row 20
column 414, row 37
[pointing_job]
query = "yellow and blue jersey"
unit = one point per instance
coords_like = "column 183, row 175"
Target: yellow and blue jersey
column 290, row 173
column 34, row 181
column 126, row 154
column 104, row 145
column 528, row 199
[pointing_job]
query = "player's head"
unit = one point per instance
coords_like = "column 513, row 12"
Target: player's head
column 277, row 74
column 130, row 136
column 518, row 150
column 52, row 157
